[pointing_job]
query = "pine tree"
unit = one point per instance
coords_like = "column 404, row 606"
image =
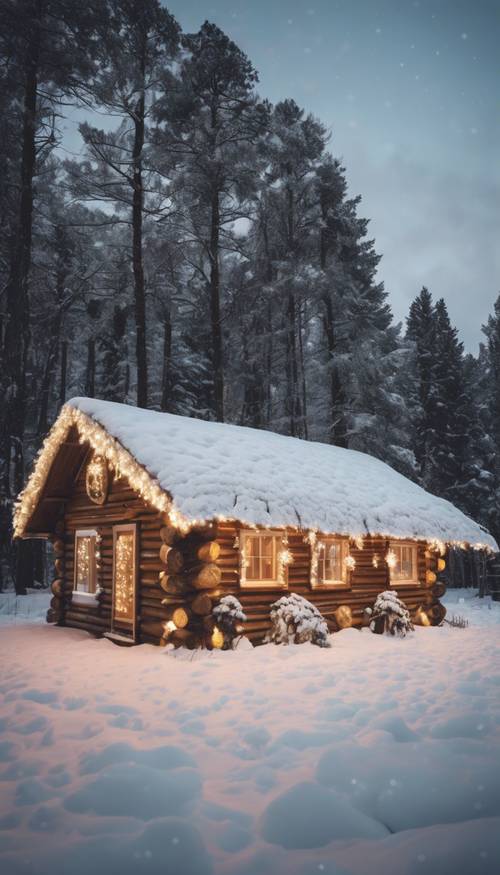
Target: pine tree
column 210, row 124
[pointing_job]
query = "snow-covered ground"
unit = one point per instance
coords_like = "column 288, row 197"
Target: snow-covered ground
column 30, row 608
column 374, row 756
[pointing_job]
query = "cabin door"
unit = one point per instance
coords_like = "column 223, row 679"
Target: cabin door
column 124, row 610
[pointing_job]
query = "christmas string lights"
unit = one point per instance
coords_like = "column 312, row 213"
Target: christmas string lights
column 124, row 575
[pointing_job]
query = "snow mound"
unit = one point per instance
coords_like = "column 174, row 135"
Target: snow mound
column 310, row 816
column 213, row 469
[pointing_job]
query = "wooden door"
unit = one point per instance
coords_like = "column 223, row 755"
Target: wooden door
column 124, row 613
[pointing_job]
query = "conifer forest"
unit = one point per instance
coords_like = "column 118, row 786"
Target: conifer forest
column 201, row 253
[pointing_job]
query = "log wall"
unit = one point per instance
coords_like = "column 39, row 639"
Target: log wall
column 365, row 581
column 189, row 575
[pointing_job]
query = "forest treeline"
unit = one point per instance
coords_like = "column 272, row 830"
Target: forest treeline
column 201, row 255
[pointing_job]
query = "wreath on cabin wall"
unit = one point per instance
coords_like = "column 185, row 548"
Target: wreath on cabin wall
column 97, row 479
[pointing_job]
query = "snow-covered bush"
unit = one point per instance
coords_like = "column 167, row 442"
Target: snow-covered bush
column 295, row 620
column 229, row 616
column 389, row 614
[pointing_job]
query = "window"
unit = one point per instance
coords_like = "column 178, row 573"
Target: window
column 262, row 555
column 403, row 563
column 85, row 564
column 332, row 554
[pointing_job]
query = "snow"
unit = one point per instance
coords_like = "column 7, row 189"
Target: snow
column 19, row 609
column 378, row 754
column 258, row 477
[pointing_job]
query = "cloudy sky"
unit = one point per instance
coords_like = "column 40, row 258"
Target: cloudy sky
column 409, row 89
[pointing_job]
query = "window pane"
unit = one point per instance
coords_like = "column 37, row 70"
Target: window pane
column 84, row 564
column 333, row 561
column 405, row 563
column 260, row 552
column 252, row 558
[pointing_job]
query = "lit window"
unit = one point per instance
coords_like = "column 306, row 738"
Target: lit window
column 260, row 559
column 332, row 556
column 85, row 561
column 403, row 567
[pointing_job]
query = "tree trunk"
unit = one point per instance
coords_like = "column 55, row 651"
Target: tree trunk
column 166, row 401
column 64, row 371
column 293, row 397
column 215, row 320
column 90, row 378
column 48, row 374
column 137, row 253
column 338, row 424
column 17, row 323
column 17, row 330
column 303, row 377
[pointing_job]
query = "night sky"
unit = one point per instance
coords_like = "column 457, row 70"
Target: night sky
column 409, row 91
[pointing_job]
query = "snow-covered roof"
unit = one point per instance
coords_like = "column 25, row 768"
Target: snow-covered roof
column 214, row 470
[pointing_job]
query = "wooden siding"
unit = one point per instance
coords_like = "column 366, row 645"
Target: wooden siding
column 365, row 582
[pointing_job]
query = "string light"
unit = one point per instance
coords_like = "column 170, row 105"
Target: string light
column 285, row 559
column 375, row 560
column 124, row 575
column 147, row 486
column 350, row 563
column 391, row 559
column 96, row 479
column 83, row 563
column 217, row 638
column 311, row 538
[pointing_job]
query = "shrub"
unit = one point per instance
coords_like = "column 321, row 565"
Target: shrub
column 295, row 620
column 390, row 615
column 229, row 616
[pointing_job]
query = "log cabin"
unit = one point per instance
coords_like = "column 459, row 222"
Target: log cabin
column 154, row 517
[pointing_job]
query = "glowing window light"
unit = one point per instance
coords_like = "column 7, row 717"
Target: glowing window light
column 85, row 561
column 124, row 578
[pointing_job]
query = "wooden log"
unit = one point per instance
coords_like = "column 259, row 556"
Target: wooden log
column 57, row 587
column 59, row 567
column 204, row 531
column 201, row 604
column 436, row 613
column 154, row 627
column 438, row 590
column 182, row 638
column 164, row 551
column 208, row 624
column 172, row 558
column 206, row 552
column 181, row 617
column 208, row 577
column 173, row 584
column 72, row 617
column 169, row 535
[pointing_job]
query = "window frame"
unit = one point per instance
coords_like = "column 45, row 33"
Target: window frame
column 345, row 582
column 413, row 581
column 118, row 625
column 85, row 596
column 267, row 583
